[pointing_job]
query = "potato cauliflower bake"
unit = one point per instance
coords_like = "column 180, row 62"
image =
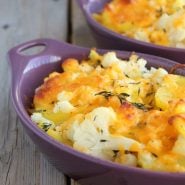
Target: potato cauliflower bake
column 161, row 22
column 117, row 110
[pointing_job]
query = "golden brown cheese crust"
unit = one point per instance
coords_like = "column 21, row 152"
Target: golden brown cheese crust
column 93, row 86
column 142, row 20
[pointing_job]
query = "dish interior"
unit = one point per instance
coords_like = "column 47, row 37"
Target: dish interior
column 43, row 70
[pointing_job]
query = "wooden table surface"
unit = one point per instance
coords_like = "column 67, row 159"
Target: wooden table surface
column 21, row 163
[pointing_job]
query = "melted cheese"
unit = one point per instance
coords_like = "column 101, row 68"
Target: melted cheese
column 117, row 110
column 160, row 22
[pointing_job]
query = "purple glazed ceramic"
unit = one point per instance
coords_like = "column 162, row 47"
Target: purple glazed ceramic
column 111, row 40
column 28, row 73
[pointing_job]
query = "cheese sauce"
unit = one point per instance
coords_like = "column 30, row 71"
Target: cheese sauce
column 116, row 110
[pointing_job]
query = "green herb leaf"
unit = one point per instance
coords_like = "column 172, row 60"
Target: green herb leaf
column 46, row 126
column 134, row 83
column 122, row 97
column 115, row 153
column 103, row 140
column 149, row 94
column 140, row 106
column 106, row 94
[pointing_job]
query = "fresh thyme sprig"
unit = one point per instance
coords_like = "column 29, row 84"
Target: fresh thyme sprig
column 140, row 106
column 106, row 94
column 122, row 98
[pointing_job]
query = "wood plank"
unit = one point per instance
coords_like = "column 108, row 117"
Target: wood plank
column 49, row 175
column 81, row 34
column 73, row 182
column 20, row 161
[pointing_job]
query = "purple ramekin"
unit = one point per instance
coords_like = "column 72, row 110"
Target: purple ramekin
column 108, row 39
column 28, row 73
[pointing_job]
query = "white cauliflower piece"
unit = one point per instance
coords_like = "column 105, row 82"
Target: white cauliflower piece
column 159, row 75
column 102, row 118
column 84, row 67
column 109, row 59
column 130, row 160
column 86, row 134
column 177, row 35
column 146, row 159
column 63, row 106
column 38, row 118
column 92, row 134
column 141, row 35
column 64, row 95
column 164, row 21
column 134, row 68
column 63, row 103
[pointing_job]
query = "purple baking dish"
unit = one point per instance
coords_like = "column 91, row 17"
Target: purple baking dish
column 28, row 73
column 108, row 39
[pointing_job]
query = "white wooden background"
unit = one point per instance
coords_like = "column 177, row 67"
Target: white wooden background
column 21, row 20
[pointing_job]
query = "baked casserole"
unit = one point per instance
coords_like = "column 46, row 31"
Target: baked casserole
column 117, row 110
column 161, row 22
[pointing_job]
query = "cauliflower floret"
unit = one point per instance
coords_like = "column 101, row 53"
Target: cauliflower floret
column 63, row 103
column 146, row 159
column 158, row 75
column 93, row 137
column 102, row 118
column 163, row 21
column 134, row 68
column 42, row 122
column 63, row 106
column 38, row 118
column 109, row 59
column 141, row 35
column 130, row 160
column 85, row 134
column 84, row 67
column 177, row 35
column 64, row 95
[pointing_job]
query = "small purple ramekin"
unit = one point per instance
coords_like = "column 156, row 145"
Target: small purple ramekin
column 28, row 73
column 108, row 39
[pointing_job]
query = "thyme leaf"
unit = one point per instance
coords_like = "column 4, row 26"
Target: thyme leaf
column 95, row 118
column 115, row 153
column 103, row 140
column 122, row 97
column 134, row 83
column 41, row 110
column 149, row 94
column 46, row 126
column 140, row 106
column 138, row 92
column 31, row 110
column 106, row 94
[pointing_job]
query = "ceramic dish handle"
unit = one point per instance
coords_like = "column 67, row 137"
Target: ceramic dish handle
column 18, row 60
